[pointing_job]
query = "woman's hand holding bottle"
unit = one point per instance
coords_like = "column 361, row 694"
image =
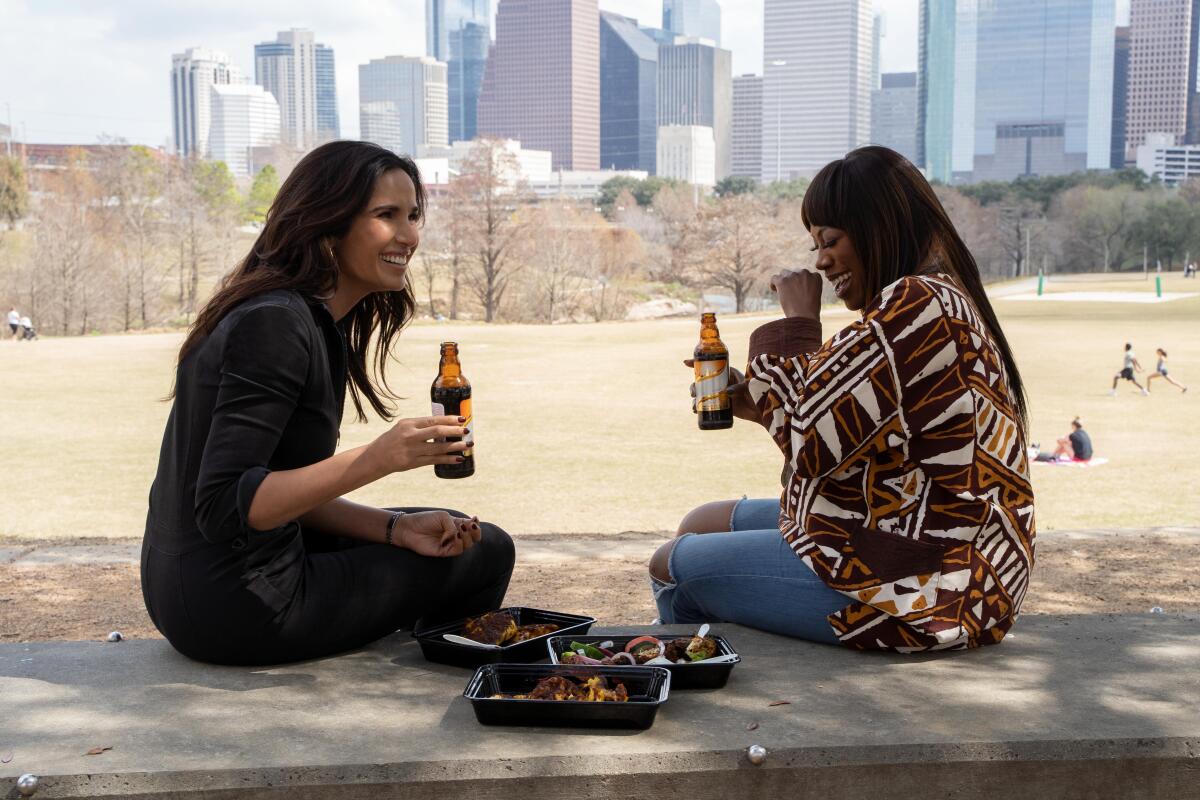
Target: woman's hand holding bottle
column 418, row 442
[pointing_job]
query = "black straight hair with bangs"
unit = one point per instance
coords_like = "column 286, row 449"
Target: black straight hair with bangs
column 315, row 208
column 899, row 228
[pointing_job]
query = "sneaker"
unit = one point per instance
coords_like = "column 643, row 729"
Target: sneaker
column 1145, row 393
column 1112, row 393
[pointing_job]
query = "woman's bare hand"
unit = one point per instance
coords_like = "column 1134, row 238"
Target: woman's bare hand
column 799, row 293
column 436, row 533
column 418, row 442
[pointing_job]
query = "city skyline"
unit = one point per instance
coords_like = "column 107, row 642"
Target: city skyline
column 122, row 92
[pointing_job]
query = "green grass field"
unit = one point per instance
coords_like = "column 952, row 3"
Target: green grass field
column 587, row 428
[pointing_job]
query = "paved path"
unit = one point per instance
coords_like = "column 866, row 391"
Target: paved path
column 534, row 548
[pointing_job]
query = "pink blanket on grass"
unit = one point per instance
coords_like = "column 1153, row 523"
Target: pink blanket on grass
column 1095, row 462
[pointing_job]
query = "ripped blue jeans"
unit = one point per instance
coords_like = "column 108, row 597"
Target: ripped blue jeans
column 748, row 576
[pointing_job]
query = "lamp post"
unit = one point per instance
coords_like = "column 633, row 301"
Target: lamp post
column 779, row 62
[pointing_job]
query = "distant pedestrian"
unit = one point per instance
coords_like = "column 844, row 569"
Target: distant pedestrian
column 1189, row 269
column 14, row 323
column 1075, row 446
column 1160, row 371
column 27, row 331
column 1130, row 365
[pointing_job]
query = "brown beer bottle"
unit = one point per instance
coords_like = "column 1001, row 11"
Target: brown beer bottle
column 451, row 395
column 714, row 411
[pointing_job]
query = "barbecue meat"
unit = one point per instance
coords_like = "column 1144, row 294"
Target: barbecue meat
column 525, row 632
column 556, row 687
column 494, row 627
column 676, row 649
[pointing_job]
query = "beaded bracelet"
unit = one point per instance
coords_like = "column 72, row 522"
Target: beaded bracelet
column 387, row 535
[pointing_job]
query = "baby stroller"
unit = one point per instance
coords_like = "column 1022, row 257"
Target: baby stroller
column 28, row 333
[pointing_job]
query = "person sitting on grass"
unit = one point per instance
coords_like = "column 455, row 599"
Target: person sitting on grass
column 1075, row 446
column 252, row 555
column 1130, row 365
column 907, row 516
column 1160, row 371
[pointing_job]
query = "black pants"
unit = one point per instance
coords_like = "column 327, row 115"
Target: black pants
column 293, row 596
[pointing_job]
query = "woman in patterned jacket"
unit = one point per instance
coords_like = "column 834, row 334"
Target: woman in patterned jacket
column 907, row 513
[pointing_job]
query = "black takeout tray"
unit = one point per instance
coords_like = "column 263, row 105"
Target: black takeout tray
column 696, row 675
column 435, row 648
column 648, row 688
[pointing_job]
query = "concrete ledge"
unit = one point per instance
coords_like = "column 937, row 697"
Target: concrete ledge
column 1097, row 706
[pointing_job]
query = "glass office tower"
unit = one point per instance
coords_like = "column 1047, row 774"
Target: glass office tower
column 459, row 33
column 1023, row 87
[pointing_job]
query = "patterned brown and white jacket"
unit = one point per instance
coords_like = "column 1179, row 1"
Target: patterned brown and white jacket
column 909, row 482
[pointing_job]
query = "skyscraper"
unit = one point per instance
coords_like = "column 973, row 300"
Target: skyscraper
column 402, row 103
column 542, row 82
column 244, row 117
column 878, row 34
column 628, row 95
column 894, row 113
column 1162, row 71
column 935, row 87
column 289, row 68
column 328, row 127
column 1017, row 88
column 459, row 32
column 695, row 87
column 816, row 83
column 697, row 18
column 747, row 129
column 1120, row 96
column 193, row 74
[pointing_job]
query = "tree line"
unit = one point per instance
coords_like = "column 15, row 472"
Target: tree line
column 127, row 238
column 120, row 238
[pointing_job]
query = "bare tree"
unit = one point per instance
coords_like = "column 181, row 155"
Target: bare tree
column 617, row 251
column 559, row 253
column 1019, row 220
column 446, row 246
column 741, row 247
column 489, row 197
column 134, row 181
column 678, row 210
column 203, row 209
column 977, row 226
column 64, row 238
column 1098, row 222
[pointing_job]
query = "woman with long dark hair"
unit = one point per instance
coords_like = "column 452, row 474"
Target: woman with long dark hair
column 906, row 521
column 251, row 553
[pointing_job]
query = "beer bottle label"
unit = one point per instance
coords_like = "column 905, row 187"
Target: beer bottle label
column 711, row 379
column 464, row 410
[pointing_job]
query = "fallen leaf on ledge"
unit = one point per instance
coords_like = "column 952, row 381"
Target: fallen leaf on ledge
column 779, row 703
column 95, row 751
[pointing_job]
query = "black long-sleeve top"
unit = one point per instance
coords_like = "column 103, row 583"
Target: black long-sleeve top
column 264, row 391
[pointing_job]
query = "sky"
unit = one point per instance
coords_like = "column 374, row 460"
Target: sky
column 73, row 71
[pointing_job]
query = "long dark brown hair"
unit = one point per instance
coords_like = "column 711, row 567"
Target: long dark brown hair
column 899, row 228
column 315, row 208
